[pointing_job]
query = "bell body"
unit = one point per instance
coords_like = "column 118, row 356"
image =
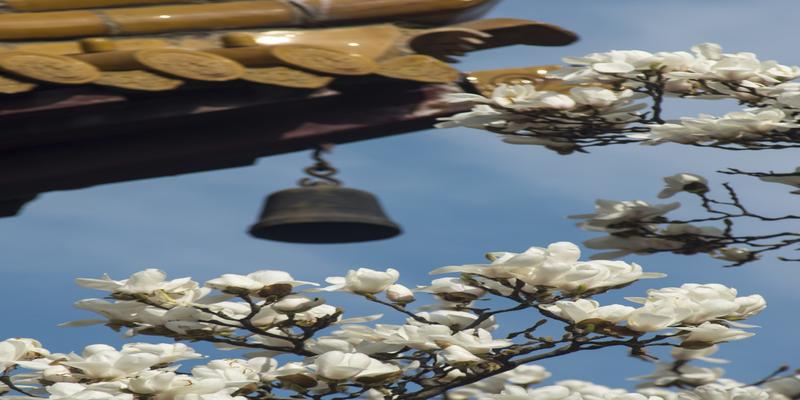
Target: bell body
column 323, row 214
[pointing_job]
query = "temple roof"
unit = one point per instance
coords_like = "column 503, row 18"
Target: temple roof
column 305, row 59
column 101, row 91
column 54, row 19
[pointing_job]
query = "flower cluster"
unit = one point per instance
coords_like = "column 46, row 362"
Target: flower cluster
column 597, row 105
column 296, row 345
column 636, row 226
column 702, row 314
column 740, row 126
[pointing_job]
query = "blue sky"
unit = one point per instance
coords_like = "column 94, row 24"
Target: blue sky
column 458, row 193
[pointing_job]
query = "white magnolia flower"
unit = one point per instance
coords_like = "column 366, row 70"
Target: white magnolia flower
column 628, row 244
column 503, row 264
column 457, row 320
column 658, row 393
column 588, row 390
column 714, row 65
column 453, row 289
column 77, row 391
column 49, row 369
column 523, row 97
column 596, row 274
column 481, row 116
column 683, row 182
column 296, row 303
column 422, row 337
column 14, row 350
column 611, row 216
column 332, row 343
column 512, row 392
column 363, row 281
column 146, row 282
column 658, row 315
column 236, row 373
column 167, row 353
column 479, row 342
column 523, row 375
column 170, row 385
column 735, row 126
column 788, row 386
column 361, row 339
column 669, row 375
column 598, row 97
column 556, row 266
column 526, row 375
column 338, row 366
column 399, row 294
column 715, row 391
column 683, row 354
column 583, row 309
column 256, row 282
column 458, row 356
column 116, row 311
column 105, row 362
column 291, row 372
column 707, row 302
column 709, row 332
column 748, row 307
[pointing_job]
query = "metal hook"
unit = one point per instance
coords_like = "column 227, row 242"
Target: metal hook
column 321, row 173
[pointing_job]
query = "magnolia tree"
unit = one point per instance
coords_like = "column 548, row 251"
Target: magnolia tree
column 290, row 343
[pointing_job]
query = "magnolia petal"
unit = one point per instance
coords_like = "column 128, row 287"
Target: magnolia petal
column 613, row 68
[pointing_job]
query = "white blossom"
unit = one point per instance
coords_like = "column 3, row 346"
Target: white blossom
column 479, row 342
column 709, row 332
column 167, row 353
column 338, row 366
column 15, row 350
column 77, row 391
column 297, row 303
column 667, row 375
column 614, row 216
column 715, row 391
column 236, row 373
column 105, row 362
column 683, row 182
column 399, row 294
column 453, row 289
column 735, row 126
column 543, row 393
column 363, row 281
column 147, row 282
column 788, row 386
column 458, row 356
column 583, row 309
column 255, row 282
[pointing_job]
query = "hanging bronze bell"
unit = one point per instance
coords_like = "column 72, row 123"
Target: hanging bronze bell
column 323, row 214
column 321, row 211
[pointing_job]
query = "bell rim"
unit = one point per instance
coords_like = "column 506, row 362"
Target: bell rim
column 271, row 231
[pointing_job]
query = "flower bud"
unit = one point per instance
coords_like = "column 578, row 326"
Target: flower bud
column 399, row 294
